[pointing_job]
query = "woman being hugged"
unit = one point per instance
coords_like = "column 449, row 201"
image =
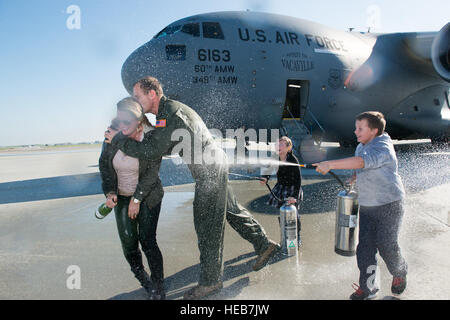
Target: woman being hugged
column 133, row 188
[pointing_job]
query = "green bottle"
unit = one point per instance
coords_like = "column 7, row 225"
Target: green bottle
column 102, row 211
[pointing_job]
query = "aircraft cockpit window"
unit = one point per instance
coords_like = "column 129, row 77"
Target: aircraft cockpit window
column 168, row 30
column 191, row 28
column 212, row 30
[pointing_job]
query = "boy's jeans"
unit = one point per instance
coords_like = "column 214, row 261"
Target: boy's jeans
column 378, row 230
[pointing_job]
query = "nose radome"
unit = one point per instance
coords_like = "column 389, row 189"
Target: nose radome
column 146, row 60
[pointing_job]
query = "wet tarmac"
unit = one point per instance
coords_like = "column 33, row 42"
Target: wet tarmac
column 52, row 247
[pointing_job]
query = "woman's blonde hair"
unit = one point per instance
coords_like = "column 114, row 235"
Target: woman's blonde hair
column 287, row 142
column 132, row 106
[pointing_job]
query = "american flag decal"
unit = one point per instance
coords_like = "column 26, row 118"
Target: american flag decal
column 160, row 123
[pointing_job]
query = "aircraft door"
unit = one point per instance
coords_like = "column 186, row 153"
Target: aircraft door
column 296, row 100
column 294, row 112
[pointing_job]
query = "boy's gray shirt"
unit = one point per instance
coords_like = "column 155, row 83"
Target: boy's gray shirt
column 378, row 183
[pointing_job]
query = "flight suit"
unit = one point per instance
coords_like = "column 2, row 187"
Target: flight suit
column 214, row 200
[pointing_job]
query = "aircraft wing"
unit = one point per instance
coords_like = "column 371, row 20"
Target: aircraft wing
column 429, row 51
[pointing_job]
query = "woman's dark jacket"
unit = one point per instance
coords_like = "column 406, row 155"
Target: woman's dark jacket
column 290, row 176
column 149, row 187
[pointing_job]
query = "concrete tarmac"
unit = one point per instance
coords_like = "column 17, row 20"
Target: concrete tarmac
column 54, row 248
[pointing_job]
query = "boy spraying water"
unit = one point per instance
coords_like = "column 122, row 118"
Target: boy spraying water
column 380, row 196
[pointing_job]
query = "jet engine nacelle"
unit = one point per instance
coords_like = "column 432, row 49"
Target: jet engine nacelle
column 440, row 52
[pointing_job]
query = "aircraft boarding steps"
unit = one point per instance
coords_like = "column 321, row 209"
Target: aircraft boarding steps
column 304, row 146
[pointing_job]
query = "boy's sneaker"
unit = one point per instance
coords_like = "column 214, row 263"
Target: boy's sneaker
column 359, row 294
column 398, row 285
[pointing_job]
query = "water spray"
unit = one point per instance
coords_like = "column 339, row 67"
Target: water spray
column 347, row 210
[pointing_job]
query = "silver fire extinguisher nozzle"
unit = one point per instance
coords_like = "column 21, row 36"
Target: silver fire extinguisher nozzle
column 288, row 228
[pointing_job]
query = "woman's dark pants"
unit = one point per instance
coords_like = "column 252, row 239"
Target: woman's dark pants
column 140, row 230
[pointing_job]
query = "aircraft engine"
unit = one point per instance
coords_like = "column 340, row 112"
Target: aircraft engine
column 440, row 52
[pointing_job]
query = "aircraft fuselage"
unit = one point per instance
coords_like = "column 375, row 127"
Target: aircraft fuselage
column 235, row 69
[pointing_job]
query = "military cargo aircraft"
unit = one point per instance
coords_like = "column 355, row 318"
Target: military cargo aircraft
column 254, row 70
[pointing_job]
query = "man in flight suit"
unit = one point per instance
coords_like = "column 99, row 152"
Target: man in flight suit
column 214, row 199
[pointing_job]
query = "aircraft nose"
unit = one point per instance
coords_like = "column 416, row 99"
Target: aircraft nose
column 144, row 61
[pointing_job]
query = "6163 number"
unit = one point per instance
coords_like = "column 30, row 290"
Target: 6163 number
column 214, row 55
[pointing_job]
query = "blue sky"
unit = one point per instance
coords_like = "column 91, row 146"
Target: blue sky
column 60, row 85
